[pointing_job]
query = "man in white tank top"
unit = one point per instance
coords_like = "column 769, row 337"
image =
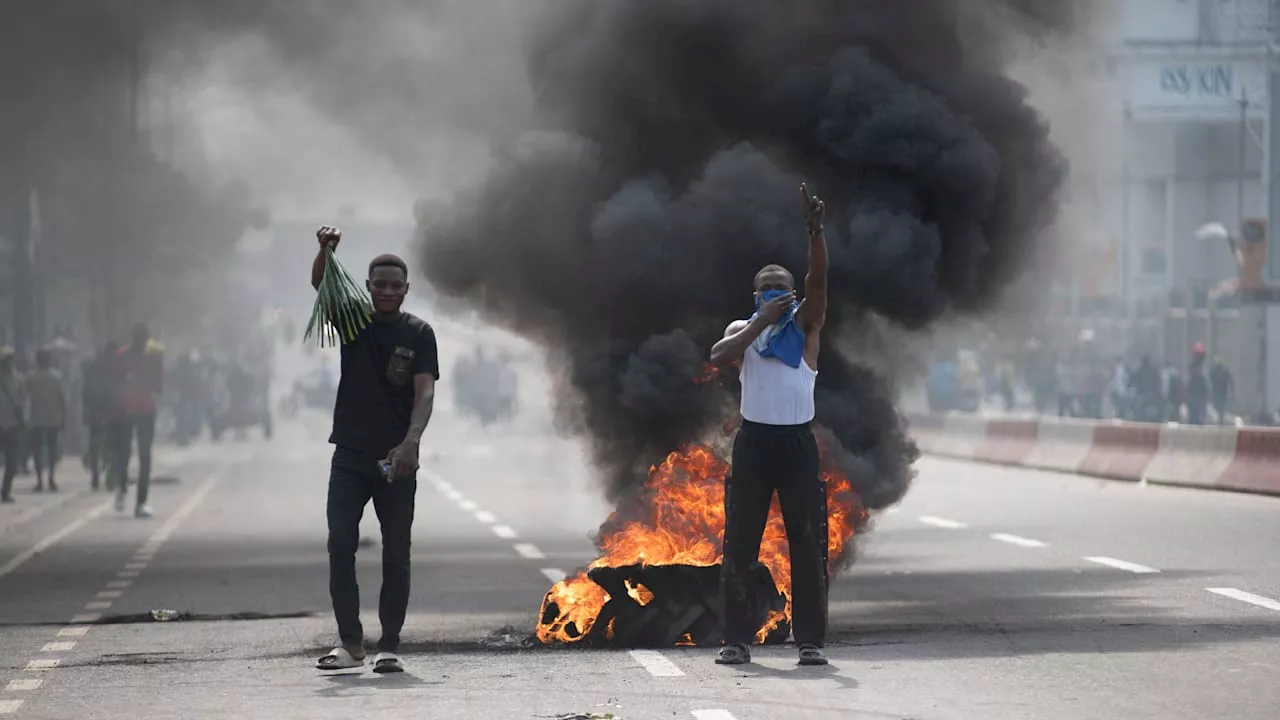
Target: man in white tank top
column 775, row 450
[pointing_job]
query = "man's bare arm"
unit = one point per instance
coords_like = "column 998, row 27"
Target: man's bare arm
column 317, row 269
column 424, row 400
column 329, row 237
column 737, row 338
column 813, row 311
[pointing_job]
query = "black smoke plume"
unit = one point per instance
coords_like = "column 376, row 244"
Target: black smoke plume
column 624, row 232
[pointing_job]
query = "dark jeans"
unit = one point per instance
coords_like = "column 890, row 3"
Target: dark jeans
column 782, row 458
column 9, row 438
column 44, row 450
column 123, row 432
column 99, row 442
column 354, row 480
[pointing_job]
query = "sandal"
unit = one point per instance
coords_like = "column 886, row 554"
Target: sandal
column 812, row 655
column 385, row 662
column 341, row 658
column 735, row 654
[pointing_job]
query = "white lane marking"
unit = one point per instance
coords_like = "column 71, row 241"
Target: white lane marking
column 119, row 583
column 135, row 566
column 9, row 707
column 1123, row 565
column 529, row 551
column 1247, row 597
column 128, row 573
column 486, row 517
column 53, row 539
column 98, row 605
column 161, row 536
column 24, row 684
column 143, row 557
column 109, row 594
column 58, row 646
column 454, row 495
column 504, row 532
column 656, row 663
column 716, row 714
column 42, row 664
column 1017, row 540
column 555, row 575
column 73, row 632
column 468, row 505
column 942, row 522
column 86, row 618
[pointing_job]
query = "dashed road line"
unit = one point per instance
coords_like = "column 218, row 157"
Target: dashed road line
column 529, row 551
column 716, row 714
column 1122, row 565
column 59, row 646
column 656, row 663
column 504, row 531
column 109, row 594
column 86, row 618
column 942, row 522
column 1017, row 540
column 486, row 517
column 1247, row 597
column 555, row 575
column 98, row 605
column 128, row 573
column 24, row 684
column 119, row 583
column 53, row 539
column 73, row 632
column 468, row 505
column 42, row 664
column 135, row 566
column 9, row 707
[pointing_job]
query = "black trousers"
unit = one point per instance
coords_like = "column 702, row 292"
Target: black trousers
column 769, row 458
column 9, row 445
column 144, row 427
column 354, row 480
column 45, row 449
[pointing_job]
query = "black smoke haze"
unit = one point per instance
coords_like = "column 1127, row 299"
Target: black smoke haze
column 623, row 230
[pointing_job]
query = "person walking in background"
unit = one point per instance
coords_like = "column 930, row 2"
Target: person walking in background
column 138, row 375
column 12, row 420
column 98, row 412
column 47, row 396
column 1222, row 385
column 1197, row 387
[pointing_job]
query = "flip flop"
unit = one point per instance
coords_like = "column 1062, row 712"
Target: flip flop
column 385, row 662
column 812, row 655
column 340, row 658
column 733, row 655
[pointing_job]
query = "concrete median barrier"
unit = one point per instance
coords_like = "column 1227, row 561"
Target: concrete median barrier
column 1226, row 458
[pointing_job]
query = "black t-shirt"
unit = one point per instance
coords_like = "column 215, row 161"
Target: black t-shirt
column 375, row 394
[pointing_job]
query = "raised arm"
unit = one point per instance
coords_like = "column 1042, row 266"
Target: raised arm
column 328, row 236
column 812, row 314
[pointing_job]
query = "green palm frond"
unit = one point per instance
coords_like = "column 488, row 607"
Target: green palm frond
column 342, row 307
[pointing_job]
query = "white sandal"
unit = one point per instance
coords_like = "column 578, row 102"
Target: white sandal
column 385, row 662
column 340, row 658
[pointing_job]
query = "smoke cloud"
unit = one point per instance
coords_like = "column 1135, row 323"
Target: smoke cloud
column 623, row 229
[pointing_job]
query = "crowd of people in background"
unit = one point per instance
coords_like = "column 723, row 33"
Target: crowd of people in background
column 1079, row 381
column 105, row 405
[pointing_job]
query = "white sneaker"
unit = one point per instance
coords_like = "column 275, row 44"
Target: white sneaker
column 119, row 502
column 143, row 511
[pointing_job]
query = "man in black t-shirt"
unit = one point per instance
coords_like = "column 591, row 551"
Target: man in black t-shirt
column 385, row 396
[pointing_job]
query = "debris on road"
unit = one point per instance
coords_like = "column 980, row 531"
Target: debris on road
column 165, row 615
column 509, row 638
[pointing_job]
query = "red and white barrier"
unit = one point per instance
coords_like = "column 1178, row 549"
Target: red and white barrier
column 1227, row 458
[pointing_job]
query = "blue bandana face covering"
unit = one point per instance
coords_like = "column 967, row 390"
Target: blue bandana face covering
column 784, row 339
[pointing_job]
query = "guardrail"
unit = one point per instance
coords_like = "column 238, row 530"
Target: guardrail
column 1222, row 458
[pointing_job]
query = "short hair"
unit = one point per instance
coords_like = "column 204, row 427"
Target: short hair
column 388, row 261
column 772, row 268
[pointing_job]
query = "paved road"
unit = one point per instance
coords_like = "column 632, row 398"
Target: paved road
column 990, row 594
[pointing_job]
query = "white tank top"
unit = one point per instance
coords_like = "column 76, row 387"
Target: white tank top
column 773, row 392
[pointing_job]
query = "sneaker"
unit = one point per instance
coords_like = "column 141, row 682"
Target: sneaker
column 143, row 511
column 119, row 502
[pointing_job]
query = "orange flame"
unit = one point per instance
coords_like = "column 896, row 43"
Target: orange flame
column 682, row 523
